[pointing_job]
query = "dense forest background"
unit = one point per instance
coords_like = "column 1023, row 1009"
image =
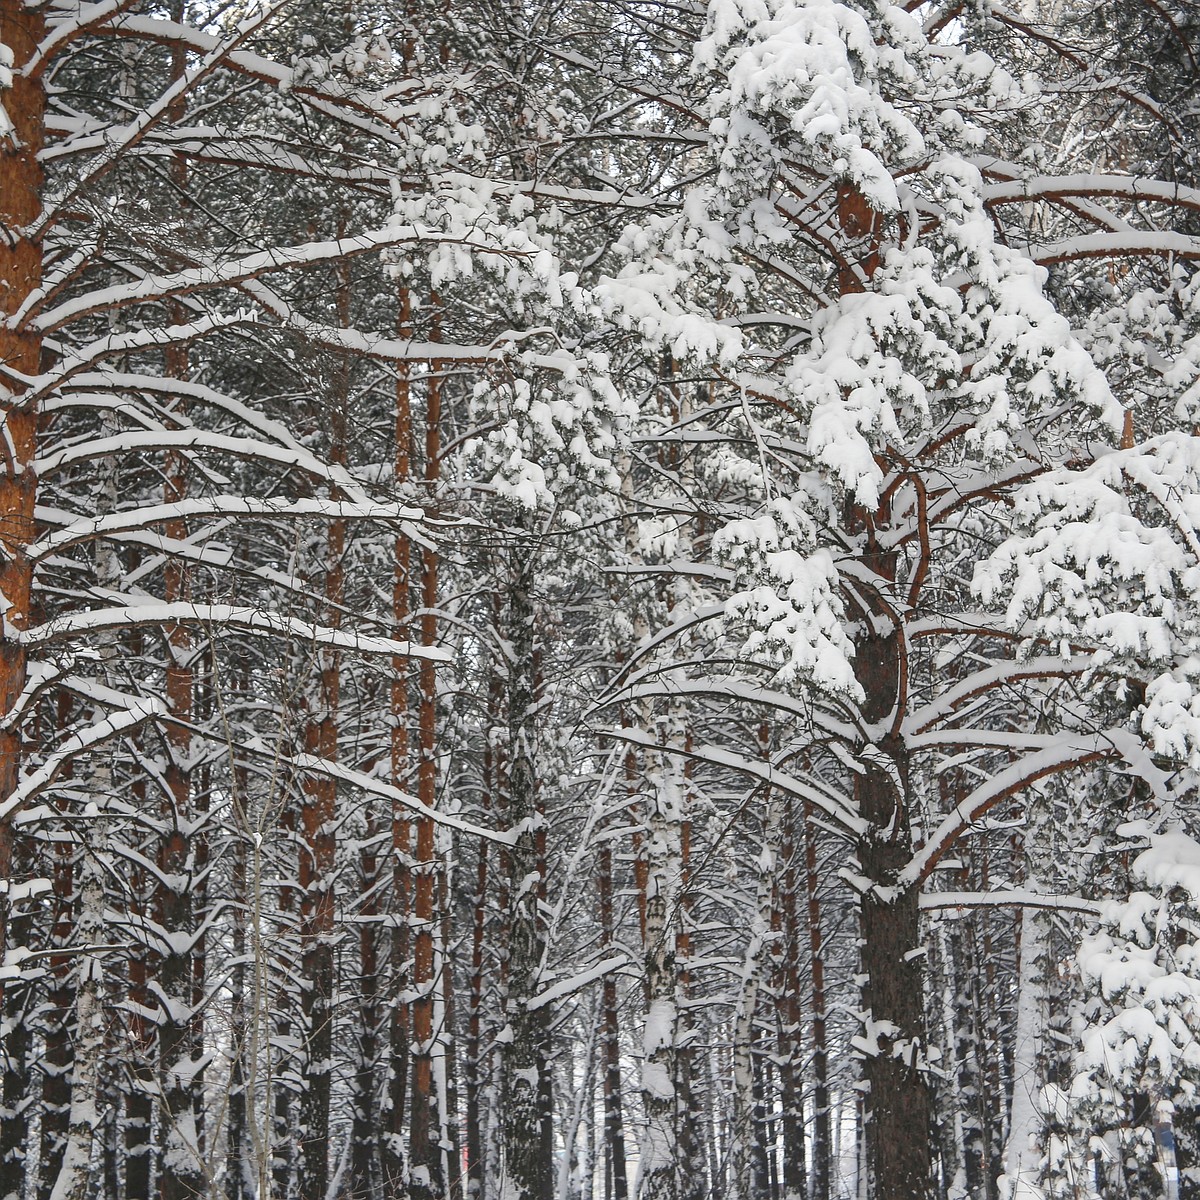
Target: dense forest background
column 599, row 598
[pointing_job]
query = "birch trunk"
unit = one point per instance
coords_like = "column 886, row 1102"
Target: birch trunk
column 1023, row 1152
column 614, row 1127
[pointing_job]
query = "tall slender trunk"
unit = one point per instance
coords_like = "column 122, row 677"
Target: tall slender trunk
column 822, row 1144
column 658, row 1172
column 897, row 1106
column 239, row 1172
column 448, row 1061
column 282, row 1048
column 789, row 1041
column 425, row 1151
column 74, row 1173
column 1026, row 1125
column 475, row 1075
column 58, row 1010
column 318, row 822
column 748, row 1155
column 528, row 1170
column 140, row 1086
column 364, row 1141
column 85, row 1117
column 21, row 351
column 180, row 1171
column 614, row 1126
column 896, row 1103
column 392, row 1156
column 692, row 1182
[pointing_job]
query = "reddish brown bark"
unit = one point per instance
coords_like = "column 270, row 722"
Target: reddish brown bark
column 392, row 1155
column 897, row 1101
column 425, row 1152
column 20, row 354
column 317, row 822
column 475, row 1068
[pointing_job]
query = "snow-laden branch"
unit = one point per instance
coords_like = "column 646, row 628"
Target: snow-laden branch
column 843, row 819
column 86, row 18
column 1017, row 898
column 88, row 528
column 656, row 683
column 314, row 765
column 1065, row 755
column 1134, row 244
column 390, row 349
column 986, row 680
column 115, row 345
column 1052, row 187
column 564, row 987
column 75, row 392
column 252, row 266
column 122, row 139
column 108, row 727
column 337, row 92
column 89, row 450
column 253, row 620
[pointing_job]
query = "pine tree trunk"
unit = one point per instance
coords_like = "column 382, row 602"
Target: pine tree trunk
column 473, row 1066
column 180, row 1174
column 692, row 1182
column 239, row 1173
column 364, row 1141
column 1023, row 1154
column 897, row 1116
column 425, row 1151
column 748, row 1155
column 21, row 351
column 282, row 1051
column 448, row 1063
column 658, row 1173
column 528, row 1170
column 317, row 861
column 139, row 1088
column 392, row 1157
column 896, row 1105
column 18, row 1088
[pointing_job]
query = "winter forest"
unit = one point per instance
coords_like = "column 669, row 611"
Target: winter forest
column 600, row 599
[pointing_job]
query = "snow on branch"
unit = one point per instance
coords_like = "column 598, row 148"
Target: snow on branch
column 197, row 439
column 108, row 727
column 846, row 822
column 1065, row 755
column 88, row 528
column 123, row 139
column 252, row 620
column 313, row 764
column 252, row 266
column 1016, row 898
column 564, row 987
column 1050, row 187
column 1132, row 244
